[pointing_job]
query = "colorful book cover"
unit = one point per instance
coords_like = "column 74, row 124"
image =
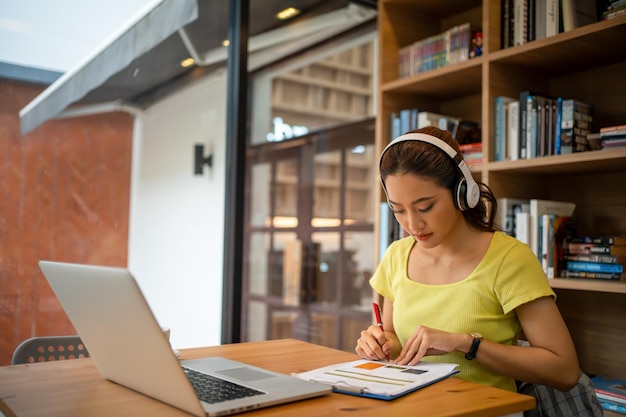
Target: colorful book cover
column 594, row 267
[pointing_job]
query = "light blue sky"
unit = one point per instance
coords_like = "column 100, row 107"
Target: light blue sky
column 57, row 34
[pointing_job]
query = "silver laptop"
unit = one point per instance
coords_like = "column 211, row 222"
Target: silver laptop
column 126, row 343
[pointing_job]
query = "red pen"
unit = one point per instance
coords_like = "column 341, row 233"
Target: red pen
column 379, row 322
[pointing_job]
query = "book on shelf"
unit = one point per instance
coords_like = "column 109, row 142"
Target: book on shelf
column 522, row 227
column 577, row 13
column 595, row 248
column 507, row 207
column 613, row 13
column 442, row 121
column 594, row 267
column 537, row 120
column 603, row 240
column 446, row 48
column 612, row 389
column 546, row 19
column 403, row 121
column 508, row 21
column 612, row 406
column 520, row 22
column 555, row 230
column 612, row 276
column 501, row 121
column 371, row 378
column 538, row 208
column 524, row 98
column 472, row 152
column 512, row 125
column 576, row 124
column 601, row 258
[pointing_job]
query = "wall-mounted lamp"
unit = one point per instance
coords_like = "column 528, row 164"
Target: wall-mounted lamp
column 200, row 160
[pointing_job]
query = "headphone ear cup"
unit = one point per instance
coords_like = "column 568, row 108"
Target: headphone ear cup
column 460, row 194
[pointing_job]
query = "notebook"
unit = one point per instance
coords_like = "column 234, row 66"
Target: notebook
column 127, row 345
column 379, row 379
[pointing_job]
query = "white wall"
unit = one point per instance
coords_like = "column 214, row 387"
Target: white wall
column 176, row 218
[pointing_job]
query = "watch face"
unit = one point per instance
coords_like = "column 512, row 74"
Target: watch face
column 476, row 335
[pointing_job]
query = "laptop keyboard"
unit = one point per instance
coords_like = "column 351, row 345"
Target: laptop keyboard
column 214, row 390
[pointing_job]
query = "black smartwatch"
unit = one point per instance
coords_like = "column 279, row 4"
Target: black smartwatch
column 471, row 354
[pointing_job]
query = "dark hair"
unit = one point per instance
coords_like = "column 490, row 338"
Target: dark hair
column 428, row 161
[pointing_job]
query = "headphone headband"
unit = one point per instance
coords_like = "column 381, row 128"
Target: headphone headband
column 468, row 194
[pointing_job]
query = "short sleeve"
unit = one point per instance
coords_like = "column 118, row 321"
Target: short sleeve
column 521, row 278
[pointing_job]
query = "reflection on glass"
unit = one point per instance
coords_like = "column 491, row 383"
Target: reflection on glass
column 265, row 261
column 327, row 185
column 361, row 171
column 351, row 331
column 282, row 324
column 324, row 329
column 286, row 197
column 259, row 199
column 330, row 266
column 257, row 321
column 359, row 266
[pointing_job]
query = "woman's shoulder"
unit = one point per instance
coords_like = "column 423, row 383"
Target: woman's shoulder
column 402, row 243
column 503, row 244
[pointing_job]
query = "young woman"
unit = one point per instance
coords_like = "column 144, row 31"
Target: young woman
column 456, row 289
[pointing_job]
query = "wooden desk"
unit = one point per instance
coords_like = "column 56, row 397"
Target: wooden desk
column 75, row 388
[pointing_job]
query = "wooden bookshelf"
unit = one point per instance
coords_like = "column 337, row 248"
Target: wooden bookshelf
column 586, row 64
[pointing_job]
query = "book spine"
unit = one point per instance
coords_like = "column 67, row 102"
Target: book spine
column 552, row 17
column 602, row 240
column 523, row 116
column 607, row 405
column 557, row 127
column 521, row 22
column 588, row 248
column 611, row 396
column 531, row 128
column 513, row 130
column 594, row 267
column 522, row 227
column 605, row 259
column 592, row 275
column 499, row 129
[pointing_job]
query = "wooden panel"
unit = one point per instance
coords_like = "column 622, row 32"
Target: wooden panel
column 596, row 322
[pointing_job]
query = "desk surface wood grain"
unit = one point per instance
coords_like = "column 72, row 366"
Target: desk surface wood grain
column 76, row 388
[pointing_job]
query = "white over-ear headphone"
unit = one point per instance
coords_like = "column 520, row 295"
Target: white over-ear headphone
column 467, row 192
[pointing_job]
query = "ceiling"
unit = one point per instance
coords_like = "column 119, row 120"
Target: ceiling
column 142, row 63
column 149, row 76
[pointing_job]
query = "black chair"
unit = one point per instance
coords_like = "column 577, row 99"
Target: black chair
column 49, row 348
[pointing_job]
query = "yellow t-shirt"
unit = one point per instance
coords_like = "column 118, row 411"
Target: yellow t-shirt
column 508, row 276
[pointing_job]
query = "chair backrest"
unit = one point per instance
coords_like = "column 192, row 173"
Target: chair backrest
column 49, row 348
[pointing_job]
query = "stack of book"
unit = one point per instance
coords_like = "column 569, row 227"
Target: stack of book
column 608, row 137
column 472, row 153
column 437, row 51
column 611, row 393
column 410, row 119
column 533, row 125
column 601, row 257
column 614, row 9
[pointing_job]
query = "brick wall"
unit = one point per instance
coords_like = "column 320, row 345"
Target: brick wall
column 64, row 196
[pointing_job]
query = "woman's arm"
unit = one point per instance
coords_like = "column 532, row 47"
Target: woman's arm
column 551, row 358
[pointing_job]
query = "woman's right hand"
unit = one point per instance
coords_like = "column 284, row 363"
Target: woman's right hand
column 373, row 344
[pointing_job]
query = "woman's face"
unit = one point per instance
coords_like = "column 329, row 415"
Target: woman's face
column 422, row 207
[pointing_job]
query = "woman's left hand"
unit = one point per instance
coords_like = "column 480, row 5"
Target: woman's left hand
column 425, row 342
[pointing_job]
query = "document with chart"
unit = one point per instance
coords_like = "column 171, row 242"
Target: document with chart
column 379, row 379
